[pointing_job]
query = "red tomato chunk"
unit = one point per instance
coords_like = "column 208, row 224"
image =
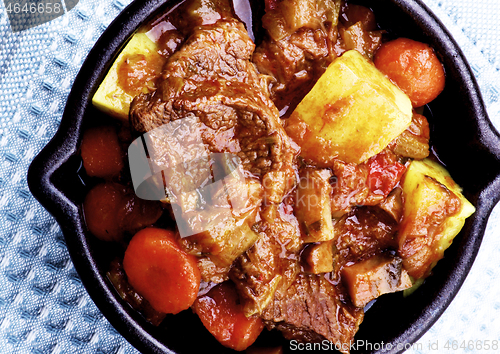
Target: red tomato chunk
column 384, row 173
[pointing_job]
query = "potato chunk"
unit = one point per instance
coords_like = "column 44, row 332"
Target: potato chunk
column 111, row 97
column 352, row 113
column 434, row 213
column 373, row 277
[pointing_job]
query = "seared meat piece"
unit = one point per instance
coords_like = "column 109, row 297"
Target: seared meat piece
column 211, row 78
column 364, row 232
column 211, row 83
column 271, row 265
column 299, row 46
column 312, row 310
column 373, row 277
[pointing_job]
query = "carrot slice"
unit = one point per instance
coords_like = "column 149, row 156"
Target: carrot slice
column 112, row 209
column 101, row 152
column 413, row 67
column 101, row 206
column 160, row 271
column 222, row 314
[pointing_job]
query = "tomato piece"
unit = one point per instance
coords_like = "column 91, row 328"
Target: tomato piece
column 158, row 269
column 101, row 152
column 384, row 172
column 413, row 67
column 222, row 314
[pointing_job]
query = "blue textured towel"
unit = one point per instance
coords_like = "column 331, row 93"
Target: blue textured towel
column 43, row 306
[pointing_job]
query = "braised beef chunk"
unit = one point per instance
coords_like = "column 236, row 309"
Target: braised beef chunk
column 364, row 232
column 211, row 81
column 375, row 276
column 299, row 46
column 270, row 266
column 312, row 310
column 211, row 77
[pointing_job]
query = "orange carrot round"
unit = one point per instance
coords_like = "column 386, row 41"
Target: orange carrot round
column 112, row 209
column 101, row 152
column 160, row 271
column 101, row 207
column 413, row 67
column 222, row 314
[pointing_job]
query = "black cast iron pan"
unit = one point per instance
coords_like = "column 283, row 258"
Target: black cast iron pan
column 462, row 137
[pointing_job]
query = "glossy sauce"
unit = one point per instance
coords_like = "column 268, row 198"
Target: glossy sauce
column 137, row 72
column 365, row 230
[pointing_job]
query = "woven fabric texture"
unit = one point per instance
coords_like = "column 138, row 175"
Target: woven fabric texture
column 44, row 308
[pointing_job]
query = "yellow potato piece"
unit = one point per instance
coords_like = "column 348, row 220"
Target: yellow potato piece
column 353, row 112
column 424, row 189
column 419, row 194
column 110, row 97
